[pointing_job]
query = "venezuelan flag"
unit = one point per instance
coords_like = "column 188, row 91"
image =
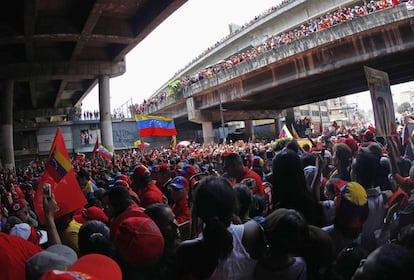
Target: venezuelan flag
column 59, row 165
column 105, row 153
column 285, row 133
column 58, row 162
column 155, row 126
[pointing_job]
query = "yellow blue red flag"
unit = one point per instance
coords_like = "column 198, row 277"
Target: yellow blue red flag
column 155, row 126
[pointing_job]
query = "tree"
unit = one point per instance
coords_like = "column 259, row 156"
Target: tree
column 404, row 107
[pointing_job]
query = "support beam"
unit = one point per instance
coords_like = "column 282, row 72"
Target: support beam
column 249, row 129
column 105, row 113
column 61, row 70
column 6, row 125
column 208, row 135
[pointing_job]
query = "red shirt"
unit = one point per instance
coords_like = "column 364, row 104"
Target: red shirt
column 14, row 252
column 181, row 210
column 248, row 173
column 149, row 195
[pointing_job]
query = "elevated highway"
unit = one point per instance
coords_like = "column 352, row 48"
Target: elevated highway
column 52, row 53
column 324, row 65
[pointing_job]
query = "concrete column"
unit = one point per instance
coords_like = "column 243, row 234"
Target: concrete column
column 105, row 113
column 249, row 129
column 6, row 123
column 208, row 135
column 278, row 127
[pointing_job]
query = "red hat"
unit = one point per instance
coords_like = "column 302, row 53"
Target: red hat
column 91, row 213
column 141, row 171
column 123, row 177
column 121, row 183
column 187, row 169
column 17, row 206
column 139, row 241
column 91, row 266
column 368, row 135
column 19, row 192
column 160, row 167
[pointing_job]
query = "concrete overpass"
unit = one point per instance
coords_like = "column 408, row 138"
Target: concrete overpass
column 324, row 65
column 52, row 53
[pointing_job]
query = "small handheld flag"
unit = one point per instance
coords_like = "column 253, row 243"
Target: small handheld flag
column 60, row 175
column 285, row 133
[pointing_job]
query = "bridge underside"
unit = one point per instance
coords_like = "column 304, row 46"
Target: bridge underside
column 324, row 65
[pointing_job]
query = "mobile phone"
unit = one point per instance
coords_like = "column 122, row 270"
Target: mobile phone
column 47, row 190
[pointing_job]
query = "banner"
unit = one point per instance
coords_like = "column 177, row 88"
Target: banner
column 379, row 87
column 60, row 175
column 155, row 126
column 285, row 133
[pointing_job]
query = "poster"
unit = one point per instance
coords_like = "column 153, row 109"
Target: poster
column 379, row 87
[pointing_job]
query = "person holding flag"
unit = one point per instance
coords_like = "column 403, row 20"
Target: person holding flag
column 61, row 176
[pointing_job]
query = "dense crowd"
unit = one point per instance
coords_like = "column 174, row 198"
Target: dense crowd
column 343, row 14
column 338, row 207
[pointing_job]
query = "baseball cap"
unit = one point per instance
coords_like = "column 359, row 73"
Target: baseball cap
column 179, row 182
column 160, row 167
column 57, row 256
column 187, row 169
column 91, row 213
column 138, row 241
column 352, row 205
column 141, row 171
column 25, row 231
column 18, row 205
column 91, row 266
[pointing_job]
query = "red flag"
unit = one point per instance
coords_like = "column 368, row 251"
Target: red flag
column 95, row 148
column 60, row 174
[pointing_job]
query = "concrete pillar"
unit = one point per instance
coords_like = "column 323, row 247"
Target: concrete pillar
column 6, row 123
column 208, row 135
column 249, row 129
column 278, row 127
column 105, row 113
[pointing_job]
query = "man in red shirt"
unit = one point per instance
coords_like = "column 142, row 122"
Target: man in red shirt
column 148, row 193
column 234, row 168
column 179, row 194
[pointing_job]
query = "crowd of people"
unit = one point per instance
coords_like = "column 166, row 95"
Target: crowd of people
column 343, row 14
column 340, row 207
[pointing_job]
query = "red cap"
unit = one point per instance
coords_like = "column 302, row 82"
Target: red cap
column 139, row 241
column 91, row 213
column 91, row 266
column 142, row 171
column 18, row 205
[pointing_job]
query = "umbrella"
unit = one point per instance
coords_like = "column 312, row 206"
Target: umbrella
column 183, row 144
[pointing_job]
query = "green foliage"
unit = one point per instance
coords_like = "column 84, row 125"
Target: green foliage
column 280, row 144
column 404, row 107
column 174, row 88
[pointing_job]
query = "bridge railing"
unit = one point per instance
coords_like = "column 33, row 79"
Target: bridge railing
column 270, row 56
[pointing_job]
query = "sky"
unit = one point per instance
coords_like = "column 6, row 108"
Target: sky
column 184, row 35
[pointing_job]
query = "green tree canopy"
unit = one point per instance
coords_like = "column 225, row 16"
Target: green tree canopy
column 404, row 107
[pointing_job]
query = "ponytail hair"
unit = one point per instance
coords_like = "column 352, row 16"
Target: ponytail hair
column 214, row 204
